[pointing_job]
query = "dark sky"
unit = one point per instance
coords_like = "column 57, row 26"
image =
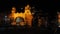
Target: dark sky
column 6, row 5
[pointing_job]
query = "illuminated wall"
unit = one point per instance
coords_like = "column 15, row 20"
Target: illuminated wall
column 26, row 15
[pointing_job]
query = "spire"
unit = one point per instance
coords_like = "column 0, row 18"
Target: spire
column 13, row 10
column 27, row 7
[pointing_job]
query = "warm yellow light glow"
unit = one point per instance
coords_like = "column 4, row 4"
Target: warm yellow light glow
column 59, row 19
column 26, row 15
column 59, row 16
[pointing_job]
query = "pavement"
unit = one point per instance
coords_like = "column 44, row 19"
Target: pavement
column 32, row 30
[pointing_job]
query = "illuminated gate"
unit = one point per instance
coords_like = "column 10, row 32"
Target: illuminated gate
column 27, row 16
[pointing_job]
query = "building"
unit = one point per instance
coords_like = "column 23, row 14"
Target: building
column 27, row 16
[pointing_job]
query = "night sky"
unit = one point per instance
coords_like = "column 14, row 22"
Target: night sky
column 48, row 5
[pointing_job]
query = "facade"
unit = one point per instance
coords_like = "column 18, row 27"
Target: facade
column 27, row 16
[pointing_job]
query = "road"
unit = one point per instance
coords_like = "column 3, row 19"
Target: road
column 27, row 30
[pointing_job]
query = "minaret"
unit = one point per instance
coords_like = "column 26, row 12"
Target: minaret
column 12, row 12
column 27, row 9
column 12, row 15
column 28, row 15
